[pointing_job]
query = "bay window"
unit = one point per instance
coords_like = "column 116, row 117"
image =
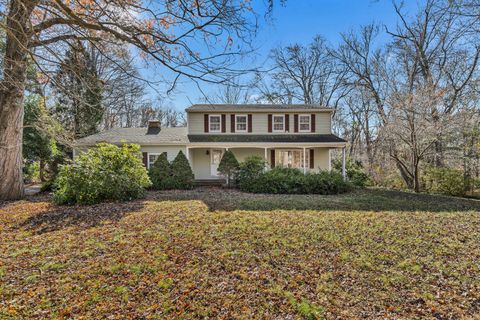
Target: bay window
column 292, row 159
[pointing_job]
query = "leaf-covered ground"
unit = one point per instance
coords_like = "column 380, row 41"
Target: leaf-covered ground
column 202, row 254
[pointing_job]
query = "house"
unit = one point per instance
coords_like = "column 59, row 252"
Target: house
column 297, row 136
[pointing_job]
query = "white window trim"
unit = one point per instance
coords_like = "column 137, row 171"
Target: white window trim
column 246, row 122
column 307, row 155
column 151, row 154
column 273, row 122
column 210, row 116
column 309, row 123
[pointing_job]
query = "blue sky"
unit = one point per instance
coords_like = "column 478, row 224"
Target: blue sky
column 298, row 22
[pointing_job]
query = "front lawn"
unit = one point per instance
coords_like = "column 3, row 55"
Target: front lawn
column 210, row 253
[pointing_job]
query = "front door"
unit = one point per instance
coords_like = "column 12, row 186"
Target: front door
column 215, row 157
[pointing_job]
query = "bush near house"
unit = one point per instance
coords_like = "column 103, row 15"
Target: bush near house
column 175, row 175
column 105, row 172
column 249, row 171
column 253, row 178
column 161, row 173
column 354, row 169
column 182, row 174
column 228, row 166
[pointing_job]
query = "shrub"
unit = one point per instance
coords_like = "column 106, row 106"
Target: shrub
column 161, row 173
column 445, row 181
column 228, row 166
column 354, row 169
column 249, row 171
column 325, row 182
column 182, row 174
column 105, row 172
column 292, row 181
column 47, row 186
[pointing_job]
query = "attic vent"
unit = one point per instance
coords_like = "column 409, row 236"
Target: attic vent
column 153, row 127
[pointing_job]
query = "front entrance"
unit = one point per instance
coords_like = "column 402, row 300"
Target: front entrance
column 215, row 157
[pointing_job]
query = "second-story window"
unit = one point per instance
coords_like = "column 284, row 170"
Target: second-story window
column 241, row 123
column 215, row 122
column 278, row 123
column 304, row 123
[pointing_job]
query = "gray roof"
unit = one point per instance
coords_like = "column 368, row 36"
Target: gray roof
column 180, row 136
column 255, row 107
column 176, row 135
column 273, row 138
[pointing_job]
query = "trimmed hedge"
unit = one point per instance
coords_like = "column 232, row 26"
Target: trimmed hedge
column 175, row 175
column 253, row 178
column 228, row 166
column 105, row 172
column 160, row 173
column 182, row 174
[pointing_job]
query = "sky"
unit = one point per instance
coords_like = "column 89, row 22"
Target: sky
column 298, row 22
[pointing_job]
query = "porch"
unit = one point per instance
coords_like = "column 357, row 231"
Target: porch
column 205, row 159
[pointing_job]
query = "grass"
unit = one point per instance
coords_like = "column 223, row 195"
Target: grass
column 210, row 253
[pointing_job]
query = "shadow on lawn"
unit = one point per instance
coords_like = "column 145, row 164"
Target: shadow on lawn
column 359, row 200
column 83, row 217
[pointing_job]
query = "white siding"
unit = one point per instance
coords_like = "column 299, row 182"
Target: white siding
column 321, row 158
column 171, row 151
column 200, row 161
column 260, row 123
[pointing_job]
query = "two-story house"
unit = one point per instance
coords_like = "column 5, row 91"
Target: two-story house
column 297, row 136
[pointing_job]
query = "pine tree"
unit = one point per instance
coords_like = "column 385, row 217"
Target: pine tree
column 161, row 173
column 228, row 166
column 182, row 174
column 79, row 93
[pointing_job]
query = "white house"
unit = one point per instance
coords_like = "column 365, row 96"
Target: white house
column 297, row 136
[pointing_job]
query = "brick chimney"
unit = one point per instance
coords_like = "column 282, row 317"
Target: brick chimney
column 153, row 127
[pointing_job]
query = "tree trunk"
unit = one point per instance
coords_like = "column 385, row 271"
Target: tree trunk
column 11, row 99
column 41, row 171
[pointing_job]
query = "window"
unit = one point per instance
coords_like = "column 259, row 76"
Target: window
column 278, row 123
column 240, row 123
column 215, row 123
column 304, row 122
column 292, row 159
column 152, row 157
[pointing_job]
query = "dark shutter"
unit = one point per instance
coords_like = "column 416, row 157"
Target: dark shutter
column 272, row 158
column 287, row 123
column 250, row 124
column 205, row 122
column 224, row 123
column 312, row 124
column 145, row 159
column 295, row 123
column 312, row 159
column 232, row 123
column 269, row 123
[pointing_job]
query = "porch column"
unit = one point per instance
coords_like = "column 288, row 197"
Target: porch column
column 344, row 171
column 304, row 161
column 266, row 159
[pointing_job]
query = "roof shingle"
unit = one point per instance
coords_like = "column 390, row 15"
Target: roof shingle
column 176, row 135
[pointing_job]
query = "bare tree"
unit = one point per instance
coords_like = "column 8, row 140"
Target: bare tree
column 308, row 74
